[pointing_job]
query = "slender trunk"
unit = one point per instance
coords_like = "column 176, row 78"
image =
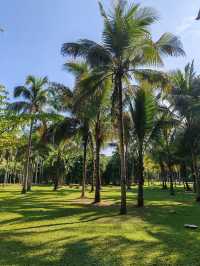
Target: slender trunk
column 42, row 170
column 56, row 180
column 197, row 178
column 94, row 166
column 183, row 174
column 30, row 178
column 36, row 172
column 14, row 172
column 123, row 208
column 172, row 193
column 97, row 161
column 26, row 177
column 84, row 168
column 163, row 176
column 141, row 178
column 128, row 176
column 6, row 174
column 193, row 176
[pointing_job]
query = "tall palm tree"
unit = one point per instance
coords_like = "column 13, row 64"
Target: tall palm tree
column 78, row 122
column 81, row 111
column 185, row 101
column 143, row 110
column 102, row 133
column 126, row 47
column 127, row 141
column 34, row 98
column 100, row 121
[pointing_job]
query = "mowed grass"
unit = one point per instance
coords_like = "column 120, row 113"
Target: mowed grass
column 57, row 228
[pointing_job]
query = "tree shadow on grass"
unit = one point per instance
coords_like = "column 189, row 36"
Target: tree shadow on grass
column 172, row 242
column 101, row 251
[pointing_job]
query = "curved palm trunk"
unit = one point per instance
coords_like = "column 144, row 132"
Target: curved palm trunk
column 97, row 162
column 27, row 170
column 140, row 178
column 84, row 167
column 123, row 208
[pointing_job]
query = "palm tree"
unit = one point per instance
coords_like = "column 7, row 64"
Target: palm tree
column 185, row 101
column 57, row 158
column 143, row 110
column 34, row 94
column 102, row 133
column 127, row 141
column 82, row 112
column 126, row 47
column 166, row 143
column 100, row 120
column 77, row 123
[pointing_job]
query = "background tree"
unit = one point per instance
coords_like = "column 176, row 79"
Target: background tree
column 34, row 94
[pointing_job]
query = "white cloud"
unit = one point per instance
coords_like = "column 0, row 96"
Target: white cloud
column 186, row 25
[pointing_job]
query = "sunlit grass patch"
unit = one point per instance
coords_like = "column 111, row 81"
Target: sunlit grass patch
column 58, row 228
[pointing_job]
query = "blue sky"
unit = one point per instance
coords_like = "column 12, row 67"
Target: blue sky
column 36, row 29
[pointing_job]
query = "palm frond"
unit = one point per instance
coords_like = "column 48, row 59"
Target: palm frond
column 22, row 91
column 170, row 45
column 157, row 79
column 143, row 111
column 146, row 16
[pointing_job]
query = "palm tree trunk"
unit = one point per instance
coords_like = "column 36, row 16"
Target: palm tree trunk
column 36, row 172
column 172, row 193
column 94, row 165
column 163, row 175
column 56, row 180
column 26, row 177
column 128, row 176
column 6, row 174
column 84, row 167
column 183, row 174
column 97, row 161
column 30, row 178
column 193, row 176
column 123, row 208
column 141, row 178
column 197, row 178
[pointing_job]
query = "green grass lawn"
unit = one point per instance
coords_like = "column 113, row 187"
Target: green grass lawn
column 57, row 228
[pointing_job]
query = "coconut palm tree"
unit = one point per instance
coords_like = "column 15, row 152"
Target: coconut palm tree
column 143, row 110
column 34, row 99
column 102, row 133
column 127, row 141
column 82, row 112
column 77, row 123
column 126, row 48
column 100, row 121
column 185, row 101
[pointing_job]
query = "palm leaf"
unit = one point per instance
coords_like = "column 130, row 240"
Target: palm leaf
column 22, row 91
column 169, row 45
